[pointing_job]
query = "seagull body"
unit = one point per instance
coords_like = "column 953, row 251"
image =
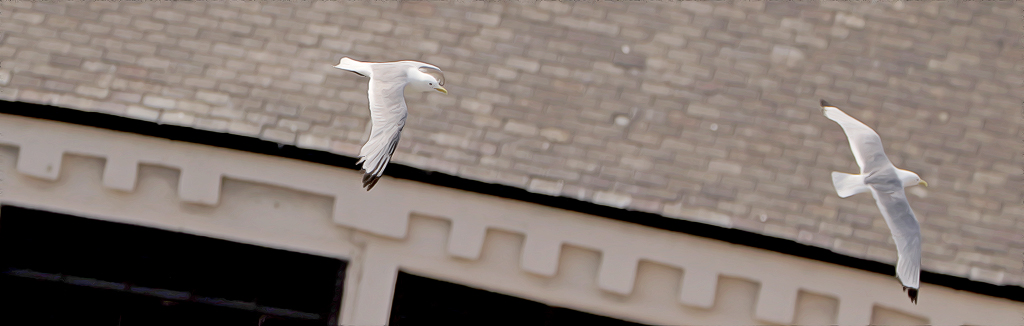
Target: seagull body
column 388, row 82
column 885, row 182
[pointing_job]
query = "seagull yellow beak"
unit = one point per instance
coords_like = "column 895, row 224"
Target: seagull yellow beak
column 441, row 89
column 923, row 183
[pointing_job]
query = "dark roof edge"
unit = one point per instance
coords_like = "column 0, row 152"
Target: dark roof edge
column 255, row 145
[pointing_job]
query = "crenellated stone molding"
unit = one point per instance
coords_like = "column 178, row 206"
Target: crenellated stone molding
column 691, row 122
column 384, row 215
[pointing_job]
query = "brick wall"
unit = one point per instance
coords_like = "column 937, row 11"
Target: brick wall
column 717, row 104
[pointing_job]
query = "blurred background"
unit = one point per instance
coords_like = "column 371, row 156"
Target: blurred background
column 699, row 111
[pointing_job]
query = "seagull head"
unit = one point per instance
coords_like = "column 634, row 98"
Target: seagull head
column 909, row 178
column 427, row 79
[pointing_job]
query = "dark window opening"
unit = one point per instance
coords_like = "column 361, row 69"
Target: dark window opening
column 423, row 301
column 60, row 269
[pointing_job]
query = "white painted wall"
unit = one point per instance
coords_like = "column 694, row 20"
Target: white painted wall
column 540, row 253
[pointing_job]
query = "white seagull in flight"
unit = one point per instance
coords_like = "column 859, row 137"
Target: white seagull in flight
column 886, row 183
column 388, row 81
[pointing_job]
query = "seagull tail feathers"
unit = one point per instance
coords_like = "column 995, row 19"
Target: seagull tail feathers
column 358, row 67
column 848, row 184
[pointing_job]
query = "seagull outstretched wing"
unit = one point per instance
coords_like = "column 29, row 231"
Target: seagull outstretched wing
column 880, row 177
column 388, row 112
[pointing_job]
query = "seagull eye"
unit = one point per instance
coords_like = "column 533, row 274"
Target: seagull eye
column 431, row 84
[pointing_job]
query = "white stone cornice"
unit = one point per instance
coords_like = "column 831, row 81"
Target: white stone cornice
column 453, row 238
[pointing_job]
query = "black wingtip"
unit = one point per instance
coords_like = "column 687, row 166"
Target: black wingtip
column 823, row 103
column 912, row 293
column 369, row 180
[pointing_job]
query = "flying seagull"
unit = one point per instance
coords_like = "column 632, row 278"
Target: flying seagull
column 388, row 81
column 886, row 183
